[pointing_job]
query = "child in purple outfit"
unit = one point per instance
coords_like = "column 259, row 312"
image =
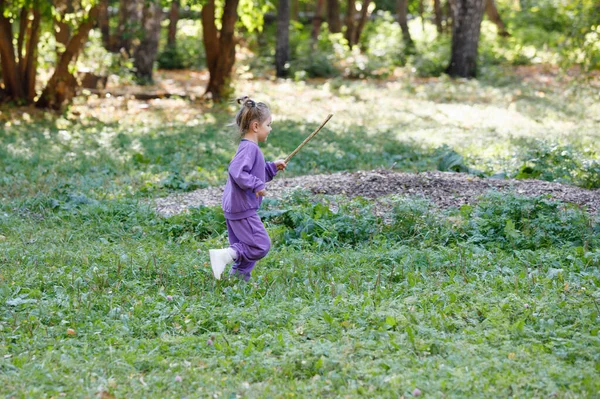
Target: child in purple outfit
column 248, row 173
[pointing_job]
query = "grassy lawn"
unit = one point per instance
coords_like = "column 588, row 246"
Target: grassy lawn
column 101, row 297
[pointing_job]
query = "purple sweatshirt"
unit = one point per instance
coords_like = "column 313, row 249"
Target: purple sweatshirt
column 248, row 173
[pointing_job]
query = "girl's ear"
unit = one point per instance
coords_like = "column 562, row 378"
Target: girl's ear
column 254, row 125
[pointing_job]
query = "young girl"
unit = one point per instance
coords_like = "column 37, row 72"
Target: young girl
column 248, row 173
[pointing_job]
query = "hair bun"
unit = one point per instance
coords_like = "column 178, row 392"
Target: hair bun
column 246, row 101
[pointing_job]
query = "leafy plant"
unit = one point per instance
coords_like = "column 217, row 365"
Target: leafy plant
column 513, row 222
column 562, row 163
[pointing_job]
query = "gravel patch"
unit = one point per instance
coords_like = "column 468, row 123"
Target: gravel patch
column 445, row 189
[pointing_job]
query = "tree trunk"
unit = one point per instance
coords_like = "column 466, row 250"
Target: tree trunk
column 61, row 86
column 448, row 21
column 465, row 37
column 219, row 46
column 364, row 15
column 10, row 69
column 62, row 32
column 173, row 19
column 318, row 20
column 29, row 63
column 19, row 72
column 210, row 36
column 350, row 12
column 295, row 10
column 494, row 16
column 103, row 23
column 333, row 16
column 437, row 11
column 145, row 54
column 23, row 24
column 403, row 21
column 29, row 37
column 282, row 47
column 130, row 15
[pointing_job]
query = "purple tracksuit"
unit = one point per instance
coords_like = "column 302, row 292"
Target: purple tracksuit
column 248, row 173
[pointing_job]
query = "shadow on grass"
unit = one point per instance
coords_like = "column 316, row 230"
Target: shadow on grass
column 102, row 159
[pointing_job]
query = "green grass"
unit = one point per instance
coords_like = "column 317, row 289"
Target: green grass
column 362, row 315
column 496, row 299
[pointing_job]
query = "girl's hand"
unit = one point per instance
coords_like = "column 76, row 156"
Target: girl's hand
column 280, row 163
column 260, row 193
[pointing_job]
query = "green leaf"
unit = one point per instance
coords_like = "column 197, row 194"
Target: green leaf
column 390, row 321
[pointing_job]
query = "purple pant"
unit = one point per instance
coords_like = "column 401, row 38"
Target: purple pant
column 251, row 241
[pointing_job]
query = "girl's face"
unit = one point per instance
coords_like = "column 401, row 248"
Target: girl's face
column 263, row 130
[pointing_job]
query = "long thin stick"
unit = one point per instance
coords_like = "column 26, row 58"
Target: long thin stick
column 306, row 140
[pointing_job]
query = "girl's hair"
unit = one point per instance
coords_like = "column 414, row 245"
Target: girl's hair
column 250, row 110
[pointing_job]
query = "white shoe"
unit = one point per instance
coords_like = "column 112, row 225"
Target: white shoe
column 219, row 258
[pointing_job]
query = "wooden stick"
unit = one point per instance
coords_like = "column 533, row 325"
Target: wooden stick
column 306, row 140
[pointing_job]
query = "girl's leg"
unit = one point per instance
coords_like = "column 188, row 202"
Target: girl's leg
column 220, row 258
column 252, row 243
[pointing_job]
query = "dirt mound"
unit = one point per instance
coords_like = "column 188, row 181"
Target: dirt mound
column 443, row 188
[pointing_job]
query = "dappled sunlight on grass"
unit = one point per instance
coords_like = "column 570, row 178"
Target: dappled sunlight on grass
column 174, row 144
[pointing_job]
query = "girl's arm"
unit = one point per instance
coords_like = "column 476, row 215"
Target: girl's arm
column 271, row 168
column 270, row 171
column 240, row 168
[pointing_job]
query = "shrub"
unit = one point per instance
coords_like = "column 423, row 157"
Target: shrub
column 171, row 58
column 189, row 51
column 561, row 163
column 199, row 223
column 509, row 221
column 431, row 58
column 417, row 221
column 318, row 59
column 312, row 222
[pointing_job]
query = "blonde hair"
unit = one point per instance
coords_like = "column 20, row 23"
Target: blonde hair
column 250, row 111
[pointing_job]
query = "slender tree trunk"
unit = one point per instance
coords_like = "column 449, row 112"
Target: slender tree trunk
column 403, row 21
column 465, row 37
column 19, row 72
column 210, row 36
column 333, row 16
column 29, row 68
column 62, row 32
column 364, row 15
column 220, row 47
column 10, row 68
column 350, row 13
column 282, row 47
column 61, row 86
column 23, row 25
column 437, row 12
column 173, row 19
column 318, row 20
column 130, row 15
column 295, row 10
column 494, row 16
column 103, row 23
column 145, row 54
column 448, row 12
